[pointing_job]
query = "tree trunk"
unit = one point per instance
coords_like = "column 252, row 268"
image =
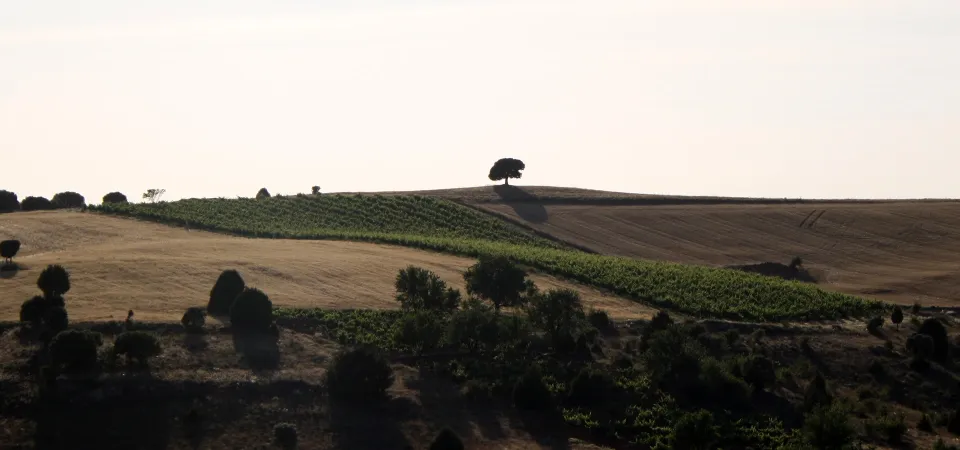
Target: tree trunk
column 506, row 181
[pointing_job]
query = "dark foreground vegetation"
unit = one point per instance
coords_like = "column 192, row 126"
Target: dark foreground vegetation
column 449, row 361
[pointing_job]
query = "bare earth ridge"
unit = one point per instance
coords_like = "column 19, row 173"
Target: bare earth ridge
column 158, row 271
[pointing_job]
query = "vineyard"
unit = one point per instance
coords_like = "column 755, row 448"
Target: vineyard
column 443, row 226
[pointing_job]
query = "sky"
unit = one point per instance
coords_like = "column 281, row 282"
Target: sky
column 211, row 98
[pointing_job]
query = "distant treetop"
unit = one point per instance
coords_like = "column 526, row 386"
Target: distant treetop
column 505, row 169
column 114, row 197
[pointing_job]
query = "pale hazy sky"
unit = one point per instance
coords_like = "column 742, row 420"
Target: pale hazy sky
column 812, row 98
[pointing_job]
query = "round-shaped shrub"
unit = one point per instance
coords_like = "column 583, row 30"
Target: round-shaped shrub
column 36, row 204
column 9, row 248
column 68, row 199
column 601, row 320
column 228, row 286
column 54, row 281
column 75, row 350
column 695, row 431
column 590, row 388
column 8, row 201
column 359, row 374
column 194, row 319
column 758, row 370
column 252, row 311
column 941, row 345
column 32, row 311
column 285, row 435
column 137, row 345
column 55, row 317
column 114, row 197
column 447, row 440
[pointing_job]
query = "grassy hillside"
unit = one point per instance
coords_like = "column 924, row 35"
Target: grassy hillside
column 444, row 226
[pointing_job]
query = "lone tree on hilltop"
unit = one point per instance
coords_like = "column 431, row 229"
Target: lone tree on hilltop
column 8, row 202
column 505, row 169
column 114, row 197
column 315, row 190
column 263, row 193
column 9, row 249
column 153, row 195
column 54, row 281
column 496, row 279
column 35, row 204
column 68, row 199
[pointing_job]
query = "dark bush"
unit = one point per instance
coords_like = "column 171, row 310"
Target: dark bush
column 877, row 369
column 941, row 345
column 418, row 288
column 915, row 309
column 817, row 394
column 33, row 311
column 68, row 199
column 497, row 280
column 9, row 249
column 695, row 431
column 252, row 311
column 315, row 190
column 601, row 321
column 590, row 388
column 54, row 281
column 530, row 393
column 925, row 424
column 194, row 319
column 673, row 358
column 758, row 370
column 8, row 202
column 263, row 193
column 55, row 318
column 419, row 330
column 137, row 345
column 875, row 324
column 359, row 374
column 828, row 428
column 114, row 197
column 228, row 286
column 285, row 435
column 718, row 386
column 897, row 316
column 732, row 336
column 919, row 364
column 447, row 440
column 888, row 427
column 920, row 345
column 475, row 327
column 75, row 350
column 36, row 204
column 557, row 312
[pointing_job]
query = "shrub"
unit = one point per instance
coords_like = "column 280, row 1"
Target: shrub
column 817, row 394
column 68, row 199
column 54, row 281
column 474, row 327
column 35, row 204
column 359, row 374
column 8, row 202
column 889, row 427
column 916, row 308
column 418, row 288
column 758, row 370
column 194, row 319
column 925, row 424
column 419, row 330
column 558, row 312
column 285, row 435
column 228, row 286
column 315, row 190
column 897, row 316
column 601, row 320
column 9, row 249
column 920, row 345
column 446, row 440
column 530, row 392
column 137, row 345
column 263, row 193
column 33, row 311
column 252, row 311
column 695, row 431
column 732, row 336
column 719, row 385
column 114, row 197
column 591, row 387
column 55, row 318
column 673, row 357
column 828, row 428
column 941, row 345
column 75, row 350
column 496, row 279
column 875, row 324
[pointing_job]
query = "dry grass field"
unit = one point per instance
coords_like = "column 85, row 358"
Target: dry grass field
column 158, row 271
column 894, row 251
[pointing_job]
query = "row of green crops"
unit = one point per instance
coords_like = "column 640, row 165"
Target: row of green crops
column 443, row 226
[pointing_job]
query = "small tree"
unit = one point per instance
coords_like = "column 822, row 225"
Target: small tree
column 9, row 249
column 419, row 330
column 359, row 374
column 505, row 169
column 252, row 311
column 447, row 440
column 153, row 195
column 496, row 279
column 530, row 392
column 474, row 326
column 114, row 197
column 897, row 316
column 941, row 345
column 228, row 286
column 315, row 190
column 418, row 288
column 194, row 319
column 695, row 431
column 35, row 204
column 68, row 199
column 285, row 435
column 75, row 350
column 54, row 281
column 558, row 311
column 137, row 346
column 263, row 193
column 32, row 311
column 8, row 202
column 916, row 308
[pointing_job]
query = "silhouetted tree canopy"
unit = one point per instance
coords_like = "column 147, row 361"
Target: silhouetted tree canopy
column 418, row 288
column 35, row 204
column 8, row 202
column 252, row 311
column 315, row 190
column 114, row 197
column 54, row 281
column 496, row 279
column 9, row 249
column 263, row 193
column 558, row 311
column 505, row 169
column 228, row 286
column 68, row 199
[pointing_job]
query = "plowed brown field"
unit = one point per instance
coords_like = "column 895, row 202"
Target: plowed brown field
column 894, row 251
column 158, row 271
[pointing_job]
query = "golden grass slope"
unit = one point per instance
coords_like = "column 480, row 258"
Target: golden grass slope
column 158, row 271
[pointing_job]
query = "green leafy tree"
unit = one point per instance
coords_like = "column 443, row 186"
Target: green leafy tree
column 114, row 197
column 419, row 330
column 474, row 327
column 252, row 311
column 137, row 346
column 315, row 190
column 505, row 169
column 418, row 288
column 153, row 195
column 557, row 312
column 54, row 281
column 359, row 375
column 496, row 279
column 8, row 201
column 263, row 193
column 68, row 199
column 75, row 350
column 9, row 249
column 695, row 431
column 36, row 204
